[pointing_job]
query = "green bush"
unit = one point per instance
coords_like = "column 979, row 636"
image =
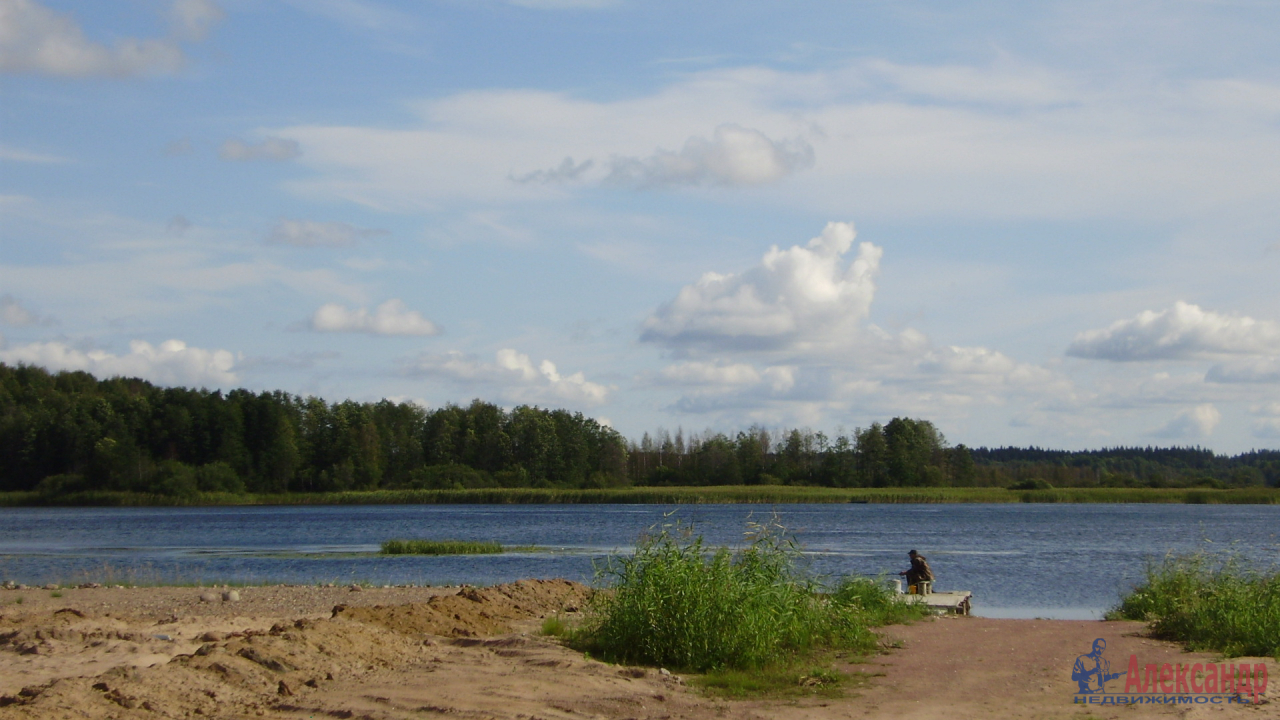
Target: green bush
column 173, row 478
column 676, row 603
column 1208, row 603
column 218, row 477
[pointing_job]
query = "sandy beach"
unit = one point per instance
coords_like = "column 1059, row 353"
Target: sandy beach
column 415, row 652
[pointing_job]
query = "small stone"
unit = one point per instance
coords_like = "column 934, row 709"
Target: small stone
column 208, row 597
column 664, row 672
column 355, row 588
column 231, row 596
column 51, row 586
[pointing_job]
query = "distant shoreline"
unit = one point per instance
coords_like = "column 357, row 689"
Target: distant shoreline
column 730, row 494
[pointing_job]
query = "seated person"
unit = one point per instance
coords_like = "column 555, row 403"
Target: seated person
column 920, row 570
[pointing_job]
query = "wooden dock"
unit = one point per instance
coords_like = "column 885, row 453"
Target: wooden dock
column 958, row 602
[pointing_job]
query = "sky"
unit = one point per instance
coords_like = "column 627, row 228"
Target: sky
column 1052, row 224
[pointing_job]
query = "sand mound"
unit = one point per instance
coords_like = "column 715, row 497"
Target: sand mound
column 474, row 611
column 248, row 673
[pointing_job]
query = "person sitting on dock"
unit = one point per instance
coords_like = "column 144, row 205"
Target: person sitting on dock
column 919, row 572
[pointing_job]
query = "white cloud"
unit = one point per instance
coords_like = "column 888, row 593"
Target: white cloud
column 1268, row 428
column 1179, row 333
column 271, row 148
column 310, row 233
column 13, row 154
column 36, row 39
column 801, row 297
column 710, row 373
column 389, row 318
column 1260, row 370
column 564, row 4
column 1191, row 423
column 514, row 376
column 170, row 363
column 734, row 155
column 193, row 19
column 13, row 313
column 566, row 171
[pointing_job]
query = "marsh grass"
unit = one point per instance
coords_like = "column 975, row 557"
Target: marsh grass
column 678, row 604
column 1208, row 603
column 440, row 547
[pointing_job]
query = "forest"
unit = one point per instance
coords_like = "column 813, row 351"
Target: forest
column 69, row 432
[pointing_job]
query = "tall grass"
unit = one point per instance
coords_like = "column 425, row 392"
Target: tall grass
column 676, row 603
column 1209, row 603
column 440, row 547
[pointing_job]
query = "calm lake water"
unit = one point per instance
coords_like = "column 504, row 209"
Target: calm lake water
column 1061, row 561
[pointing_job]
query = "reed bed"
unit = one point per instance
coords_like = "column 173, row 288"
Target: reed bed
column 440, row 547
column 742, row 494
column 679, row 604
column 1209, row 603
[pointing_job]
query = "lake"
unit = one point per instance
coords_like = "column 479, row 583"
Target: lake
column 1020, row 560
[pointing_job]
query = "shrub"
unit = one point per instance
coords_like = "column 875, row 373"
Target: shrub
column 218, row 477
column 676, row 603
column 1208, row 603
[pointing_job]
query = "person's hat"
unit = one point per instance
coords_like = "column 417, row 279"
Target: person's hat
column 913, row 552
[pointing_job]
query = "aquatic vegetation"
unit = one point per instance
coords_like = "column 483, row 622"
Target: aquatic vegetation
column 679, row 604
column 440, row 547
column 1209, row 603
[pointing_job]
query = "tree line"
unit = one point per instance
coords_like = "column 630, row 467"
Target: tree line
column 68, row 432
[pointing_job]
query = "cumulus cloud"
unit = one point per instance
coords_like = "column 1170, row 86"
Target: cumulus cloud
column 710, row 373
column 271, row 148
column 1179, row 333
column 170, row 363
column 514, row 376
column 1258, row 370
column 13, row 313
column 389, row 318
column 310, row 233
column 803, row 296
column 1190, row 423
column 1268, row 428
column 35, row 39
column 734, row 155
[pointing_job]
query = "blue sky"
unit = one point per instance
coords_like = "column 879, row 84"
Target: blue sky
column 1031, row 223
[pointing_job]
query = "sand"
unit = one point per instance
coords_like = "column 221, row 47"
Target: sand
column 393, row 653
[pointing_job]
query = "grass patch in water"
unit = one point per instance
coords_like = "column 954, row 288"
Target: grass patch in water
column 440, row 547
column 1208, row 603
column 678, row 604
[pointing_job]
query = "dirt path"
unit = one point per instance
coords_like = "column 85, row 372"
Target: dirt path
column 399, row 653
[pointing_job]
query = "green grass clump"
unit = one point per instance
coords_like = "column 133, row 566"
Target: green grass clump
column 790, row 680
column 678, row 604
column 440, row 547
column 555, row 626
column 1208, row 604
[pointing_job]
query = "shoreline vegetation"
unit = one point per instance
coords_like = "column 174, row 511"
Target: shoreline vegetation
column 1208, row 603
column 68, row 438
column 723, row 494
column 750, row 620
